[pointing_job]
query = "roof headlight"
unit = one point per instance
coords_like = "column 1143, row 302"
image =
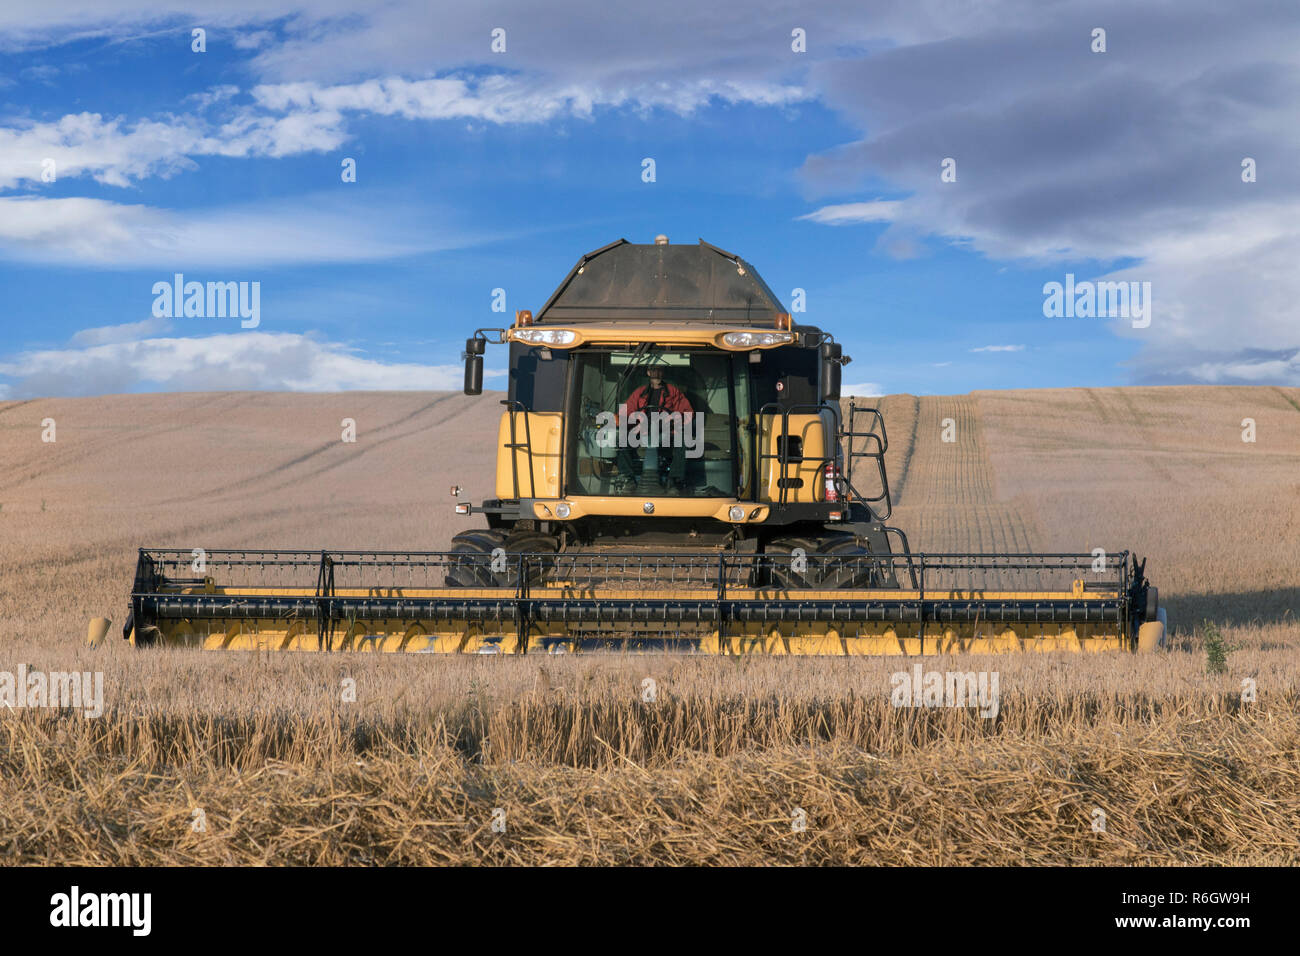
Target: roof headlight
column 752, row 340
column 546, row 336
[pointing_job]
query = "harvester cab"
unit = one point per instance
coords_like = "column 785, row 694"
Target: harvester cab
column 675, row 470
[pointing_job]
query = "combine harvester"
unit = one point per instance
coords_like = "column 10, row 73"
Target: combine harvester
column 674, row 471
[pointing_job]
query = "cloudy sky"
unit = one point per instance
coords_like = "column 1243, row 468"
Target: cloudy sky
column 128, row 156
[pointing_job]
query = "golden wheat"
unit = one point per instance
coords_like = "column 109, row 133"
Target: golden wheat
column 267, row 755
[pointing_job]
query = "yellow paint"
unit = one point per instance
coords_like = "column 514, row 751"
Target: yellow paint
column 1150, row 636
column 97, row 630
column 718, row 508
column 544, row 428
column 812, row 429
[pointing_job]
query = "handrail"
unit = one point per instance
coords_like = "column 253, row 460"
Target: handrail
column 783, row 454
column 881, row 442
column 513, row 407
column 878, row 443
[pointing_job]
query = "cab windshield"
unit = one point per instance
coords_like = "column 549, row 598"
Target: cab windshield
column 658, row 422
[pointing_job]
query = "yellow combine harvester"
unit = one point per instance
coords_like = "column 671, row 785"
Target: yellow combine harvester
column 674, row 471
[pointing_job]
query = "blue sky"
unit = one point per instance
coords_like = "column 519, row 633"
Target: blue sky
column 479, row 170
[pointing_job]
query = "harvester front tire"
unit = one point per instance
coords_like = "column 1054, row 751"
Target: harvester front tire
column 846, row 564
column 783, row 569
column 473, row 550
column 472, row 565
column 835, row 562
column 536, row 543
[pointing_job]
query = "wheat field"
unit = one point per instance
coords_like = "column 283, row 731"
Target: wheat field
column 331, row 759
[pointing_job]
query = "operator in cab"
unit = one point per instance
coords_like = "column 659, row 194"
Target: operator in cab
column 657, row 395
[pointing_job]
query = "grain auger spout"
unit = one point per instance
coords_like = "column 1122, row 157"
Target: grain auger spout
column 675, row 470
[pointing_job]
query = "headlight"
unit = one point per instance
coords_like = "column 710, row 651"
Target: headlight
column 736, row 513
column 750, row 340
column 546, row 336
column 562, row 510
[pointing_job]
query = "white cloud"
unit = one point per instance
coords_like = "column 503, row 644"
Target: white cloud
column 127, row 332
column 116, row 152
column 1249, row 370
column 508, row 99
column 99, row 233
column 289, row 119
column 210, row 97
column 496, row 99
column 1180, row 365
column 879, row 210
column 313, row 60
column 675, row 54
column 86, row 143
column 43, row 73
column 56, row 22
column 863, row 390
column 253, row 39
column 999, row 348
column 235, row 361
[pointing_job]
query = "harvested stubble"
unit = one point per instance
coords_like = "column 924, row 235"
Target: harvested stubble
column 713, row 771
column 710, row 772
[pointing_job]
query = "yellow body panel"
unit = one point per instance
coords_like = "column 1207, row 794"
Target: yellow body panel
column 545, row 430
column 807, row 473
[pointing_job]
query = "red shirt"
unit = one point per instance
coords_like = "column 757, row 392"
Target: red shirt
column 671, row 399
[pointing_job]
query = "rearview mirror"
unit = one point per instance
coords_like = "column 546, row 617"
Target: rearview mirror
column 474, row 365
column 831, row 369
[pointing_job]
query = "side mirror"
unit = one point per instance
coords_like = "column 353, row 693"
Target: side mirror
column 832, row 352
column 474, row 365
